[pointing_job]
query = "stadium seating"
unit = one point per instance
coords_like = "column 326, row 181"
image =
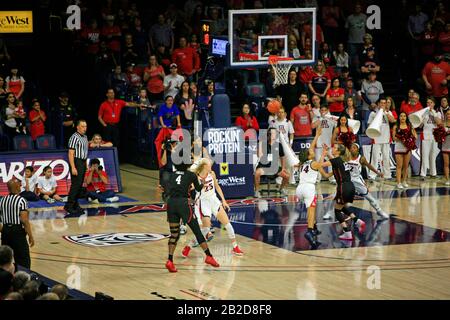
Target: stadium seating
column 23, row 143
column 46, row 142
column 221, row 111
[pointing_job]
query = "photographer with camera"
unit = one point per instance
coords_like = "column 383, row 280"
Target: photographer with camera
column 96, row 180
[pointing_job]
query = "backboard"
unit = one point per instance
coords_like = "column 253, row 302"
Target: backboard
column 257, row 33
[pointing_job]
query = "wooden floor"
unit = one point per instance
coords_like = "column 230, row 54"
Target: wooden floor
column 406, row 271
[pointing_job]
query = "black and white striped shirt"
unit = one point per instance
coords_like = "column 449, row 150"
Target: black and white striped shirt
column 10, row 208
column 80, row 144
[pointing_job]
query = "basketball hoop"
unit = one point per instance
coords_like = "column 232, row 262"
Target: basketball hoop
column 281, row 70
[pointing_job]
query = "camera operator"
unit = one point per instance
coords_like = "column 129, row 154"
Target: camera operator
column 96, row 181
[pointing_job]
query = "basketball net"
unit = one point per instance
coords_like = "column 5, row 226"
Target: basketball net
column 281, row 70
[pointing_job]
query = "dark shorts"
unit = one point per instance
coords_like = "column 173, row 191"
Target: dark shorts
column 179, row 208
column 345, row 193
column 41, row 196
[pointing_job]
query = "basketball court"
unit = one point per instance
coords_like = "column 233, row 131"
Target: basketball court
column 410, row 250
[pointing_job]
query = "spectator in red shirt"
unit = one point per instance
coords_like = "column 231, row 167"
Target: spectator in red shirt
column 246, row 121
column 37, row 118
column 436, row 75
column 301, row 117
column 91, row 38
column 154, row 76
column 335, row 98
column 428, row 41
column 109, row 116
column 444, row 39
column 112, row 33
column 96, row 180
column 412, row 105
column 187, row 59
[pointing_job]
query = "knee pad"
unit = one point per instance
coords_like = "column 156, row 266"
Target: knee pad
column 340, row 216
column 174, row 234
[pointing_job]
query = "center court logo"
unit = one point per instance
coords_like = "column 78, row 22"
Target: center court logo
column 113, row 239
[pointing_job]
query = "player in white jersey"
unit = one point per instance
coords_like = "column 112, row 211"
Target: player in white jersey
column 429, row 146
column 446, row 148
column 327, row 124
column 306, row 189
column 356, row 163
column 208, row 204
column 382, row 143
column 284, row 126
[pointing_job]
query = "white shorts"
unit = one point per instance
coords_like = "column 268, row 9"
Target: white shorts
column 307, row 192
column 360, row 186
column 205, row 207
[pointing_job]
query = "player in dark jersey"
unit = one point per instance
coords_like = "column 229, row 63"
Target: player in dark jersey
column 178, row 208
column 345, row 190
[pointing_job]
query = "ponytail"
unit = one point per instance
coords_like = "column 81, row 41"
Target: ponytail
column 344, row 153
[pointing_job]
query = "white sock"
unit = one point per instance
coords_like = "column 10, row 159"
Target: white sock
column 231, row 234
column 205, row 231
column 373, row 202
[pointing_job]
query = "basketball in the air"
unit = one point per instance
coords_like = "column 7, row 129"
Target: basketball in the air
column 274, row 106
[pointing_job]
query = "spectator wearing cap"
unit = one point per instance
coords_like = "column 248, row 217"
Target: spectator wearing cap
column 96, row 181
column 37, row 118
column 109, row 116
column 134, row 80
column 161, row 34
column 187, row 59
column 172, row 81
column 436, row 76
column 65, row 115
column 112, row 34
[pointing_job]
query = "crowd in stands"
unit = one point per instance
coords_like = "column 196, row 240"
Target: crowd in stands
column 20, row 285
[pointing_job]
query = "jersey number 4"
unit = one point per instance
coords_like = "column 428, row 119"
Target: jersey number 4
column 178, row 180
column 306, row 169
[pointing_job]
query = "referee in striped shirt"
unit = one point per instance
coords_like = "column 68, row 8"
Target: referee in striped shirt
column 78, row 153
column 16, row 226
